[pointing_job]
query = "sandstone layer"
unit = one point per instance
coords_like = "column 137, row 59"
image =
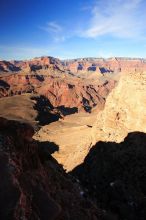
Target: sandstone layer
column 124, row 111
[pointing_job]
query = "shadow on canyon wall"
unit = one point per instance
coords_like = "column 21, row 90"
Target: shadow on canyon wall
column 4, row 84
column 66, row 110
column 45, row 110
column 46, row 148
column 114, row 175
column 47, row 113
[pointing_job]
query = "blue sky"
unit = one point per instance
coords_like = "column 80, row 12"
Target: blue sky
column 72, row 28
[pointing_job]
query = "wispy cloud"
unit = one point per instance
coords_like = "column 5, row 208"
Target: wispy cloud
column 118, row 18
column 52, row 27
column 55, row 30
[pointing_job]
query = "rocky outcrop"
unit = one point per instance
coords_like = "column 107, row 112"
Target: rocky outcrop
column 124, row 110
column 33, row 185
column 114, row 175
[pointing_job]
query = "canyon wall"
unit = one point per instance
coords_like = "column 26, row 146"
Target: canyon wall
column 124, row 111
column 50, row 77
column 98, row 65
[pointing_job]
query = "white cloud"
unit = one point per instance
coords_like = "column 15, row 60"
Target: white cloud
column 120, row 18
column 55, row 30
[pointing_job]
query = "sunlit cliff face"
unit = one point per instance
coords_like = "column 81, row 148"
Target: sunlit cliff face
column 124, row 109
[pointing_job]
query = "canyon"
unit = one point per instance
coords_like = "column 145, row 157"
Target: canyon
column 72, row 138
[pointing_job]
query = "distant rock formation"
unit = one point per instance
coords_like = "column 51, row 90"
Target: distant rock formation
column 50, row 77
column 81, row 65
column 104, row 66
column 81, row 83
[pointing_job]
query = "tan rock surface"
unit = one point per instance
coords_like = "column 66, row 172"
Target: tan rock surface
column 125, row 109
column 72, row 135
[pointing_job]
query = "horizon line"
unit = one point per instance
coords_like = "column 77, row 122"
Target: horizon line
column 76, row 58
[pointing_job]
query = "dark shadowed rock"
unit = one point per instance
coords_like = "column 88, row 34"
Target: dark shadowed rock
column 33, row 185
column 115, row 176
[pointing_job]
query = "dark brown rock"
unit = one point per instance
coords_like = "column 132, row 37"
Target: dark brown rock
column 33, row 185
